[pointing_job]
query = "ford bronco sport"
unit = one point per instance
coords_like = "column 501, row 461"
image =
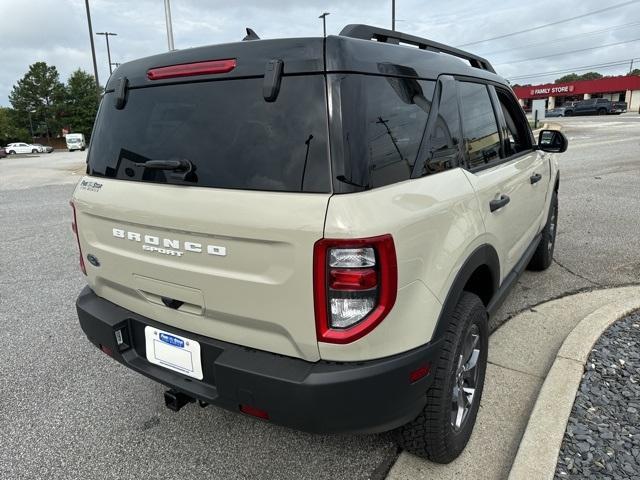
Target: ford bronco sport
column 313, row 231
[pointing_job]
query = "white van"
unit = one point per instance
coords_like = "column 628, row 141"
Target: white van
column 75, row 141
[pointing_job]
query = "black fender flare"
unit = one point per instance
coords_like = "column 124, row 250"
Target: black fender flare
column 484, row 255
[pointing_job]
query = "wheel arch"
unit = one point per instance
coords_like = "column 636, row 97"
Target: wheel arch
column 479, row 274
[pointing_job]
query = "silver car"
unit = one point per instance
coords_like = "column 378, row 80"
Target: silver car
column 555, row 112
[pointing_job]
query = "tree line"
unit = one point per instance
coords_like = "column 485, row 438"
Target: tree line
column 42, row 106
column 574, row 77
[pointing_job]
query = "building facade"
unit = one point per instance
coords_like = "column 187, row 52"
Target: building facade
column 617, row 89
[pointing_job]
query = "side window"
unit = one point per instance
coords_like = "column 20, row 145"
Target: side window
column 383, row 121
column 444, row 141
column 480, row 129
column 517, row 138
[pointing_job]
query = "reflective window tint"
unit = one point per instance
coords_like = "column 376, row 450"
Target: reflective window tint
column 383, row 121
column 444, row 142
column 481, row 138
column 231, row 136
column 517, row 138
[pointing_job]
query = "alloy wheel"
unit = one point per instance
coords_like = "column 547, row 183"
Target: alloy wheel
column 466, row 378
column 552, row 229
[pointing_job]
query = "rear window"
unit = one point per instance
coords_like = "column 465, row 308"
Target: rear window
column 382, row 123
column 225, row 129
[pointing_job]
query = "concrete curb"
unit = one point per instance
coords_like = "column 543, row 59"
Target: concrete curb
column 537, row 455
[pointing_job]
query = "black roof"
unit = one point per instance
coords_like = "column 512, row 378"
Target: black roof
column 358, row 49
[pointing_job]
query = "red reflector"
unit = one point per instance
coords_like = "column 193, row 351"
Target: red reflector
column 418, row 373
column 353, row 279
column 106, row 350
column 254, row 412
column 190, row 69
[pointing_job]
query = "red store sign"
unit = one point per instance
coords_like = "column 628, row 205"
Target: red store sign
column 600, row 85
column 552, row 90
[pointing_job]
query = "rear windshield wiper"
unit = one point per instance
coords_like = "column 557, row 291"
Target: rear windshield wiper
column 181, row 165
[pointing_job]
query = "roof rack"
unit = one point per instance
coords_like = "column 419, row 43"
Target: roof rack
column 368, row 32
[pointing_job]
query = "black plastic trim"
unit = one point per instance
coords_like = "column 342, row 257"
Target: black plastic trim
column 320, row 397
column 484, row 255
column 510, row 280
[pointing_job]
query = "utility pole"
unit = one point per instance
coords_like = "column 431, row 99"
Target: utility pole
column 324, row 23
column 393, row 15
column 167, row 18
column 630, row 91
column 106, row 36
column 93, row 49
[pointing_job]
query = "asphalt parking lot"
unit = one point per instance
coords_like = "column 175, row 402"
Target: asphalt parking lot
column 70, row 412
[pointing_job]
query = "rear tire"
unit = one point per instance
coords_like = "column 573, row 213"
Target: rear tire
column 34, row 151
column 11, row 152
column 543, row 255
column 443, row 428
column 602, row 111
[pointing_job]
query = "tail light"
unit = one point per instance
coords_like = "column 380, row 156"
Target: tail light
column 355, row 286
column 74, row 227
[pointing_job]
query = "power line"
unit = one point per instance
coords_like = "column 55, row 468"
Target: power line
column 568, row 52
column 561, row 39
column 549, row 24
column 612, row 64
column 571, row 70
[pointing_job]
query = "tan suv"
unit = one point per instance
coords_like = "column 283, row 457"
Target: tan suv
column 313, row 231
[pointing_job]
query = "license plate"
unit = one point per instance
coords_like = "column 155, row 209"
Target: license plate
column 174, row 352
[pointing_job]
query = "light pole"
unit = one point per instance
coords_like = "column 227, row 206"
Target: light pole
column 324, row 23
column 93, row 48
column 393, row 15
column 106, row 36
column 167, row 18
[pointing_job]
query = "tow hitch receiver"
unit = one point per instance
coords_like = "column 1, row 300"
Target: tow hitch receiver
column 175, row 400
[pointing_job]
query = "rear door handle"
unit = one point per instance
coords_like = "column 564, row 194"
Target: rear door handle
column 535, row 178
column 499, row 202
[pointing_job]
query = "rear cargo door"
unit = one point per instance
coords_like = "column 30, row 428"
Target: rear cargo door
column 221, row 246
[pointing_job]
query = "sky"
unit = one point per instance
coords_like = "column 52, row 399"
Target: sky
column 55, row 31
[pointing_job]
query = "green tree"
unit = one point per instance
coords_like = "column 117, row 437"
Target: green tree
column 572, row 77
column 635, row 71
column 81, row 103
column 10, row 128
column 590, row 76
column 41, row 93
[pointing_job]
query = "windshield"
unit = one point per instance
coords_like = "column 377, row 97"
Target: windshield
column 73, row 140
column 231, row 136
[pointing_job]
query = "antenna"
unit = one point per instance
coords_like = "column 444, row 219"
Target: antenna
column 251, row 35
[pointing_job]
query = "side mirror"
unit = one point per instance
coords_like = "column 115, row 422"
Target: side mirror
column 552, row 141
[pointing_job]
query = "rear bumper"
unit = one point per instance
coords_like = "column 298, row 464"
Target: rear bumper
column 320, row 397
